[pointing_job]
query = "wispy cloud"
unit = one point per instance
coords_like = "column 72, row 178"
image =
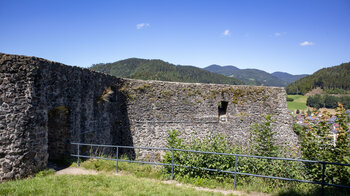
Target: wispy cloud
column 142, row 25
column 277, row 34
column 306, row 43
column 226, row 32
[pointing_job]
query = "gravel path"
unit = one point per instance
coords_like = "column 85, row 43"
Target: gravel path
column 76, row 171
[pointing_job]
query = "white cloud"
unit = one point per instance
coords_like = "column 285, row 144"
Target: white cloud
column 306, row 43
column 142, row 25
column 277, row 34
column 226, row 32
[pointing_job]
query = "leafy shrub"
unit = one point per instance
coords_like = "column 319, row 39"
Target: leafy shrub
column 317, row 144
column 290, row 99
column 261, row 143
column 315, row 101
column 217, row 143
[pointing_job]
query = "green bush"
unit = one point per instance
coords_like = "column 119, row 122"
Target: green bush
column 261, row 143
column 327, row 101
column 317, row 144
column 290, row 99
column 315, row 101
column 217, row 143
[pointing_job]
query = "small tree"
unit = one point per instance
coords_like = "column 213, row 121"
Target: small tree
column 298, row 111
column 308, row 112
column 262, row 141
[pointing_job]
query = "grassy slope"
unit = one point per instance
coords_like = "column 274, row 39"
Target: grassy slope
column 298, row 103
column 95, row 185
column 150, row 171
column 140, row 180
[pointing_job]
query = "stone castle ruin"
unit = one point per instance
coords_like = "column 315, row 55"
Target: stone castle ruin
column 45, row 105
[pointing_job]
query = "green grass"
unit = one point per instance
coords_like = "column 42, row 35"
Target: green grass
column 245, row 184
column 298, row 103
column 101, row 184
column 141, row 180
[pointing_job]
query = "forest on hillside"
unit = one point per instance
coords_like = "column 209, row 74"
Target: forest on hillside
column 160, row 70
column 333, row 78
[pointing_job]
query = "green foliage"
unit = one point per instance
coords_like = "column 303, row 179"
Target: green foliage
column 217, row 143
column 315, row 101
column 337, row 77
column 327, row 101
column 46, row 172
column 317, row 144
column 262, row 141
column 308, row 112
column 290, row 99
column 160, row 70
column 337, row 91
column 297, row 128
column 298, row 111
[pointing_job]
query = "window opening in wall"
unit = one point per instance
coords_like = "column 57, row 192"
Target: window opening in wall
column 222, row 108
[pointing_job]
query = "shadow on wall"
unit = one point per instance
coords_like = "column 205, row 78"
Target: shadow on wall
column 122, row 124
column 109, row 110
column 59, row 133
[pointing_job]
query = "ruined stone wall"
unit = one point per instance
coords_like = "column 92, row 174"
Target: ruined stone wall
column 154, row 107
column 46, row 105
column 32, row 87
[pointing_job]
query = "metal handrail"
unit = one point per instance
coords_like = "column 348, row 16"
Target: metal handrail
column 235, row 172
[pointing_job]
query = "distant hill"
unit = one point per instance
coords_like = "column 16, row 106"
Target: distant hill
column 224, row 70
column 337, row 77
column 250, row 76
column 289, row 78
column 159, row 70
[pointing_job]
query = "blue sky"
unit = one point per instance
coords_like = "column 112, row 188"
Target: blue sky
column 291, row 36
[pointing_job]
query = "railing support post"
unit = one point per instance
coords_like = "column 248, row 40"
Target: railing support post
column 78, row 155
column 117, row 157
column 172, row 165
column 235, row 179
column 323, row 171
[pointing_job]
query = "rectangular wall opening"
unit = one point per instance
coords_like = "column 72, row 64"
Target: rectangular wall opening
column 222, row 110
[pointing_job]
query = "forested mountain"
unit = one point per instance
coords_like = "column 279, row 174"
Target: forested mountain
column 289, row 78
column 337, row 77
column 159, row 70
column 250, row 76
column 224, row 70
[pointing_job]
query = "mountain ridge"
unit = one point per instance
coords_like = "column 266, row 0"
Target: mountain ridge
column 156, row 69
column 255, row 76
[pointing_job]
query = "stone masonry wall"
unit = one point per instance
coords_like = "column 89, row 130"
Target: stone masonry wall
column 42, row 101
column 154, row 107
column 30, row 88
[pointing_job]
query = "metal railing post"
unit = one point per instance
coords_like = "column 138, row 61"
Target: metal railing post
column 172, row 165
column 323, row 171
column 78, row 155
column 235, row 178
column 117, row 157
